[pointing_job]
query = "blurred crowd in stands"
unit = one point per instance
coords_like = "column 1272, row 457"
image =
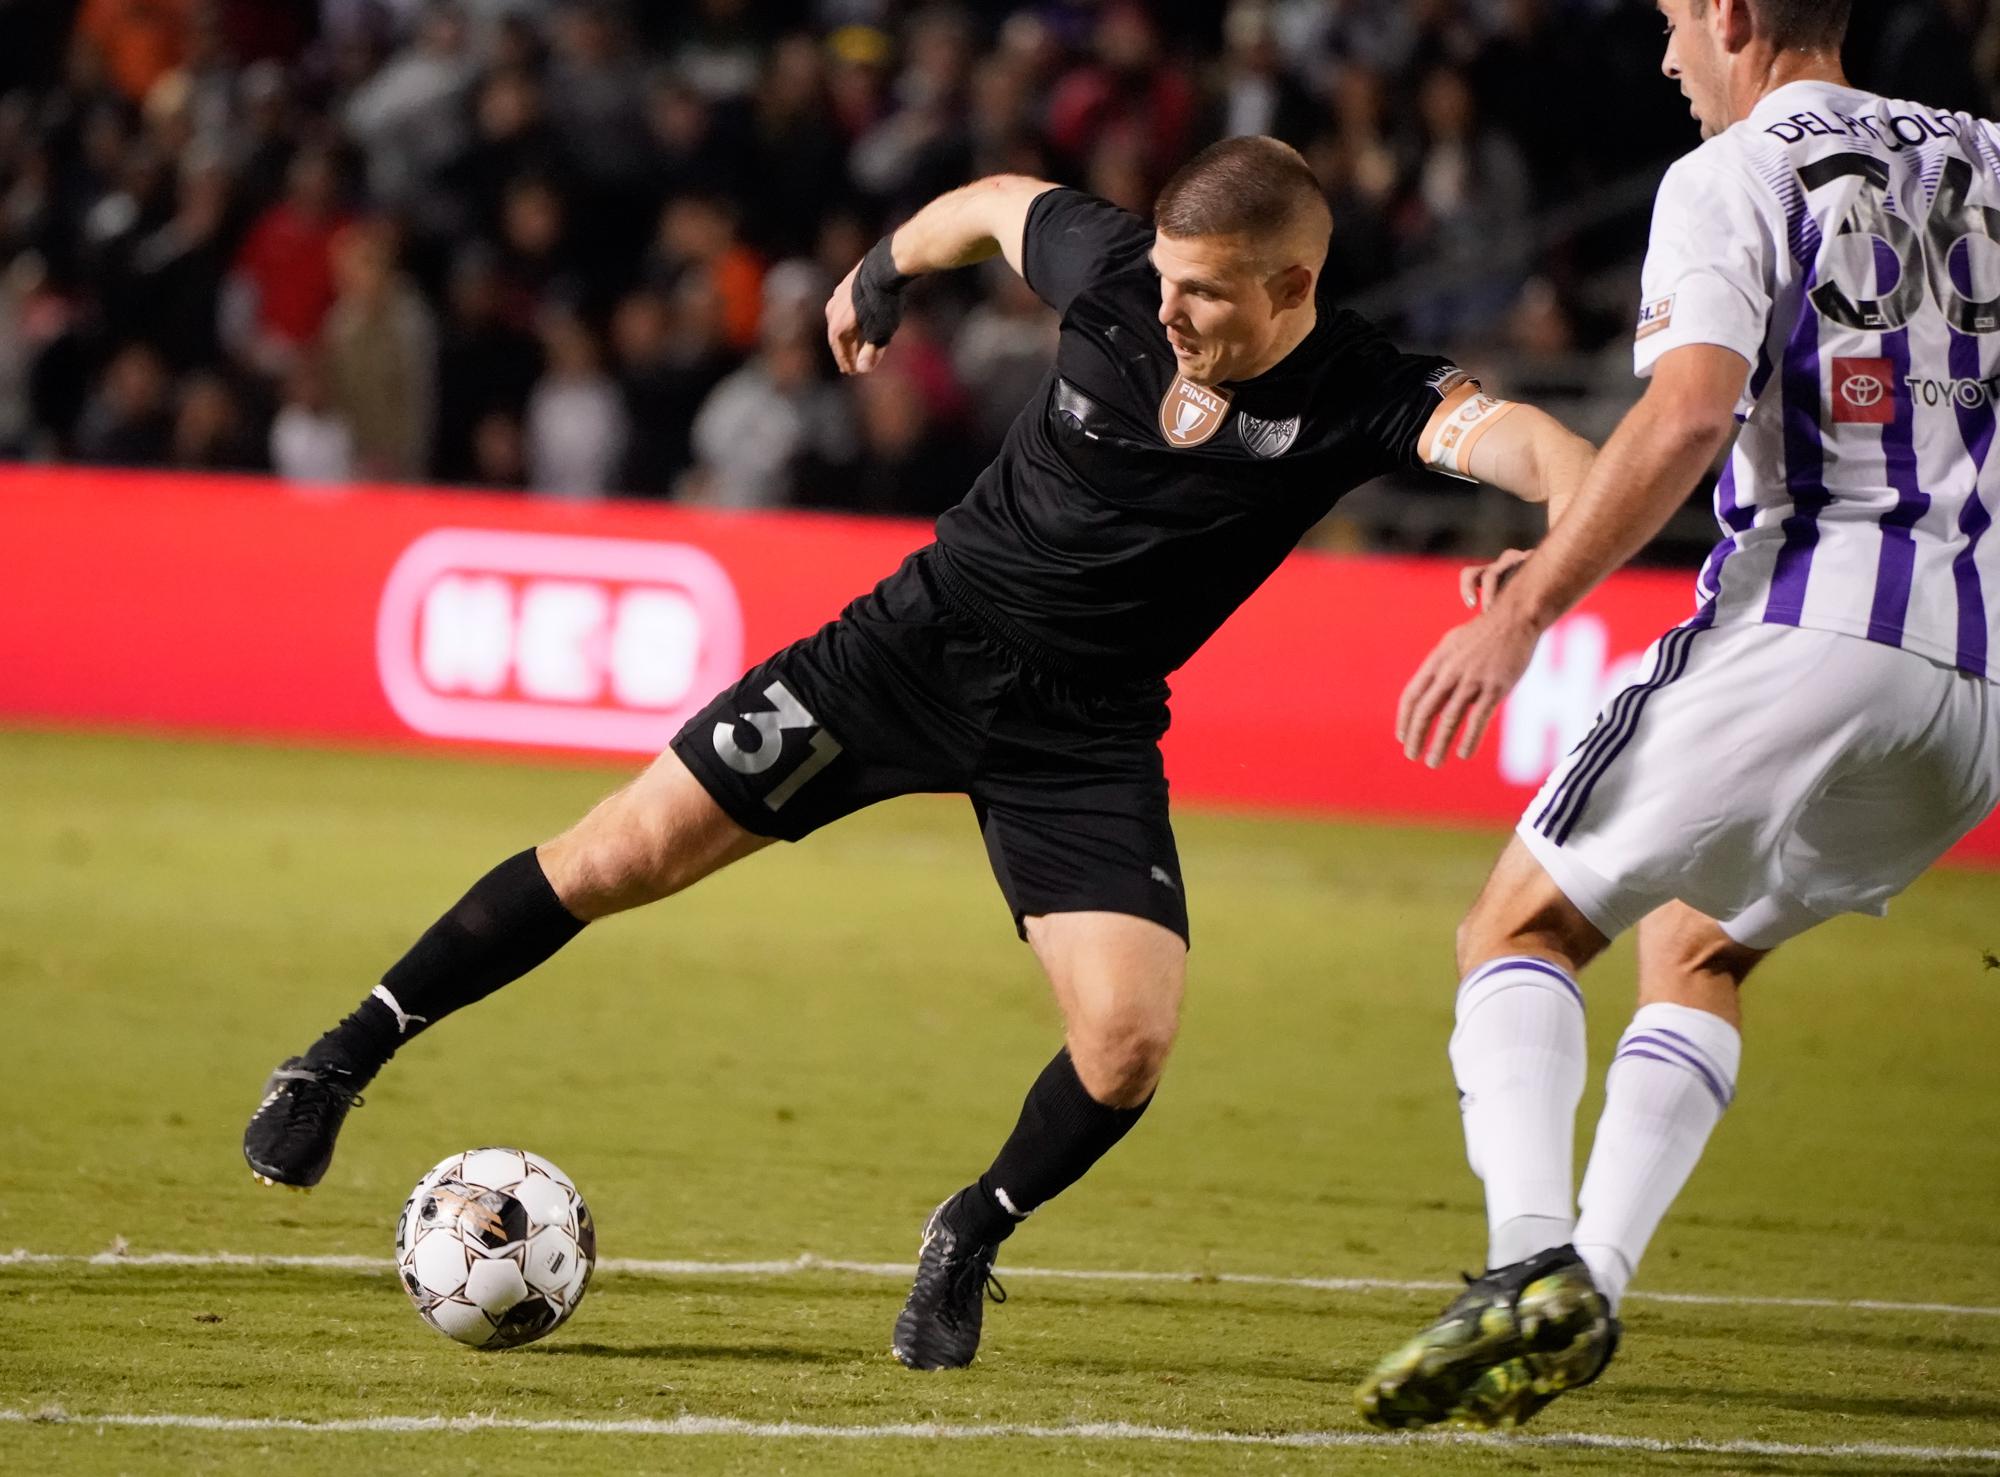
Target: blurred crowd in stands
column 581, row 247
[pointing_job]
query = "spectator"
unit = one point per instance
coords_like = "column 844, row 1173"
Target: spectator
column 597, row 95
column 209, row 430
column 381, row 358
column 1467, row 212
column 922, row 148
column 535, row 261
column 499, row 452
column 910, row 464
column 699, row 235
column 486, row 364
column 283, row 282
column 767, row 431
column 797, row 157
column 1002, row 351
column 310, row 443
column 177, row 270
column 576, row 427
column 135, row 42
column 1131, row 97
column 511, row 141
column 1255, row 93
column 410, row 116
column 127, row 423
column 670, row 356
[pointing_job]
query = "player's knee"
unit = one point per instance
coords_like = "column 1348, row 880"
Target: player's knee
column 1120, row 1054
column 619, row 856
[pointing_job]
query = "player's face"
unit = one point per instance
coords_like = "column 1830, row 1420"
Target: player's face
column 1217, row 305
column 1694, row 59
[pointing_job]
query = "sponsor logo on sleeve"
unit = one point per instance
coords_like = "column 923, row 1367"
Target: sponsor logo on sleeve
column 1655, row 316
column 1190, row 413
column 1446, row 378
column 1863, row 392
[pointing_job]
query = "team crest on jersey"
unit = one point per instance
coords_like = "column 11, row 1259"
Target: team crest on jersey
column 1190, row 413
column 1267, row 438
column 1864, row 392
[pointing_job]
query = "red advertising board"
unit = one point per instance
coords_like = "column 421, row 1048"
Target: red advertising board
column 226, row 605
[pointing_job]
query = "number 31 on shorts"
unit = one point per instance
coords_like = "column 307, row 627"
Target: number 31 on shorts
column 787, row 712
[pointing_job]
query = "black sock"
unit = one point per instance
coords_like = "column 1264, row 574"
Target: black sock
column 1062, row 1131
column 507, row 924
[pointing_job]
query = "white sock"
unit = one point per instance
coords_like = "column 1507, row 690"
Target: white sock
column 1674, row 1074
column 1519, row 1056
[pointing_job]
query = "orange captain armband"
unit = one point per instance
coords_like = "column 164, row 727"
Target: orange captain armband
column 1455, row 427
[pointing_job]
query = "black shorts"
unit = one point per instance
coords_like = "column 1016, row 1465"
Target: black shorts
column 914, row 691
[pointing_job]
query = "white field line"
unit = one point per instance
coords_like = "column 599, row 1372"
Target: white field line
column 698, row 1425
column 808, row 1262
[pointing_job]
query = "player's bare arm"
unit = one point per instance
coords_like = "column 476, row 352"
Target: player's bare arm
column 1518, row 449
column 1643, row 474
column 961, row 228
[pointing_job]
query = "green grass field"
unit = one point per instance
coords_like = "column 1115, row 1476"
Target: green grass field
column 803, row 1055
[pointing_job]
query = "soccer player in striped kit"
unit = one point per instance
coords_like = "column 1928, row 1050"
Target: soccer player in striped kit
column 1823, row 283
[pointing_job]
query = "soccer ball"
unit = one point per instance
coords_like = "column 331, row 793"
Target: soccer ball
column 495, row 1247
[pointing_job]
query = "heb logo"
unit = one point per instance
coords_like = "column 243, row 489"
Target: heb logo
column 1863, row 392
column 1570, row 679
column 538, row 638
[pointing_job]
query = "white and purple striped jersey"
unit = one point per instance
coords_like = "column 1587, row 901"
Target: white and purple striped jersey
column 1848, row 247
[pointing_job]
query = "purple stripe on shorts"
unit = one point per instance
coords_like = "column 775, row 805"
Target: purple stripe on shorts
column 1805, row 464
column 1533, row 966
column 1976, row 426
column 1898, row 559
column 1683, row 1056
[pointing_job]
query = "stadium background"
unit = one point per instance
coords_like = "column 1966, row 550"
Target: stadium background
column 579, row 249
column 556, row 270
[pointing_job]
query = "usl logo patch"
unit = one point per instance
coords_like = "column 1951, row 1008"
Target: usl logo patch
column 1267, row 438
column 1864, row 392
column 1190, row 414
column 1656, row 316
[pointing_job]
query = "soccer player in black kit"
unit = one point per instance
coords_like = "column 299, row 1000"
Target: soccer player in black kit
column 1207, row 406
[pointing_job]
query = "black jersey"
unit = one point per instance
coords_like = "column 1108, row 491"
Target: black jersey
column 1129, row 512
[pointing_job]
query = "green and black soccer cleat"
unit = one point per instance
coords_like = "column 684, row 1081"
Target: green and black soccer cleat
column 1507, row 1395
column 289, row 1140
column 939, row 1325
column 1510, row 1343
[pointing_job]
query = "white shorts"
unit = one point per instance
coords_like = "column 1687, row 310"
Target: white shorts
column 1770, row 776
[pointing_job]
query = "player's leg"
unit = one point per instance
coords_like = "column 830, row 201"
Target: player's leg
column 654, row 836
column 1674, row 1073
column 1118, row 980
column 826, row 726
column 1672, row 1076
column 1518, row 1052
column 1077, row 830
column 1519, row 1056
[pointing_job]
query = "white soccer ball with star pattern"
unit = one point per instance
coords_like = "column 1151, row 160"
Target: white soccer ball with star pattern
column 495, row 1247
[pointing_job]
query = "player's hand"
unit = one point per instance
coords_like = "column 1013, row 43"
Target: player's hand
column 1461, row 685
column 843, row 330
column 1479, row 583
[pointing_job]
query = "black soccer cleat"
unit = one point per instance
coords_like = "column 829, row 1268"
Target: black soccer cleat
column 939, row 1325
column 1511, row 1342
column 289, row 1140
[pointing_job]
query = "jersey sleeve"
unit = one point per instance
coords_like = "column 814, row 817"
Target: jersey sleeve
column 1413, row 386
column 1072, row 238
column 1710, row 270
